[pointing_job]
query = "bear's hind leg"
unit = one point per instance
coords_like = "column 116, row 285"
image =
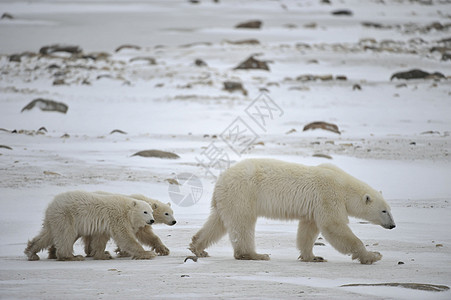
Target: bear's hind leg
column 98, row 245
column 341, row 238
column 242, row 237
column 64, row 238
column 306, row 237
column 40, row 242
column 212, row 231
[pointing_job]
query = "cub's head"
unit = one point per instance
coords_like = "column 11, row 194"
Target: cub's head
column 142, row 213
column 376, row 210
column 163, row 213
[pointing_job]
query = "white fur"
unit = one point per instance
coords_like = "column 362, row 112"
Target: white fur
column 321, row 198
column 162, row 213
column 76, row 214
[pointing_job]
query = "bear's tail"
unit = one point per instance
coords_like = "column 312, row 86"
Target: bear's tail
column 40, row 242
column 212, row 231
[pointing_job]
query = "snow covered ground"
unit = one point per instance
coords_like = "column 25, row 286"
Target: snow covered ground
column 395, row 135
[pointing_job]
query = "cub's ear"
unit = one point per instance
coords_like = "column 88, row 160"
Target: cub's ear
column 169, row 203
column 154, row 206
column 367, row 199
column 134, row 203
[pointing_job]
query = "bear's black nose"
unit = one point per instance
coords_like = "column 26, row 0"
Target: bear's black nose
column 151, row 221
column 392, row 226
column 173, row 222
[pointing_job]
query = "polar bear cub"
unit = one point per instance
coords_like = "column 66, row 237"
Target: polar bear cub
column 76, row 214
column 321, row 198
column 162, row 213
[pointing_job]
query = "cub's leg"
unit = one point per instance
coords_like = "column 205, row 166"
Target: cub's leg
column 64, row 237
column 307, row 234
column 212, row 231
column 98, row 245
column 147, row 237
column 52, row 252
column 40, row 242
column 125, row 240
column 341, row 238
column 87, row 241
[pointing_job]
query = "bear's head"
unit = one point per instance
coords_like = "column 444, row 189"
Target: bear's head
column 368, row 204
column 142, row 213
column 163, row 213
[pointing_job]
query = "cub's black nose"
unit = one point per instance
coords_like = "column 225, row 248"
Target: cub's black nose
column 392, row 226
column 173, row 222
column 151, row 221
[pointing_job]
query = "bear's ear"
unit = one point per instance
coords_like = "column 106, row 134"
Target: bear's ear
column 134, row 203
column 154, row 206
column 169, row 203
column 367, row 199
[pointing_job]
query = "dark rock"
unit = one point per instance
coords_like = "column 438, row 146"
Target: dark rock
column 232, row 86
column 200, row 63
column 7, row 16
column 342, row 12
column 376, row 25
column 15, row 58
column 46, row 105
column 118, row 131
column 255, row 24
column 244, row 42
column 322, row 125
column 414, row 286
column 446, row 56
column 157, row 153
column 253, row 64
column 356, row 87
column 6, row 147
column 150, row 60
column 46, row 50
column 321, row 155
column 134, row 47
column 193, row 258
column 59, row 82
column 416, row 74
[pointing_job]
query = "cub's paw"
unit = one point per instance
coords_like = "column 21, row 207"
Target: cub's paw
column 104, row 256
column 145, row 255
column 369, row 257
column 33, row 256
column 121, row 253
column 161, row 250
column 312, row 259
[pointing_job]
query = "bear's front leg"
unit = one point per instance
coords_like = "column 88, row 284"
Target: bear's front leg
column 125, row 240
column 341, row 238
column 147, row 237
column 306, row 237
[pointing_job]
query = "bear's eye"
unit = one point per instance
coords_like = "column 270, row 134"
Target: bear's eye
column 367, row 199
column 145, row 212
column 166, row 214
column 384, row 211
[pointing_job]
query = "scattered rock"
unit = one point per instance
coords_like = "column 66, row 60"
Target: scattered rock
column 342, row 12
column 59, row 82
column 193, row 258
column 6, row 147
column 341, row 77
column 18, row 57
column 7, row 16
column 46, row 105
column 65, row 136
column 356, row 87
column 253, row 64
column 118, row 131
column 322, row 125
column 375, row 25
column 416, row 74
column 200, row 63
column 327, row 77
column 414, row 286
column 157, row 153
column 255, row 24
column 446, row 56
column 400, row 262
column 439, row 245
column 74, row 50
column 51, row 173
column 232, row 86
column 322, row 155
column 172, row 181
column 150, row 60
column 244, row 42
column 134, row 47
column 291, row 131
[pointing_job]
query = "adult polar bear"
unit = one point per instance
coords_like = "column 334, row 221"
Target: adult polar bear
column 76, row 214
column 320, row 197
